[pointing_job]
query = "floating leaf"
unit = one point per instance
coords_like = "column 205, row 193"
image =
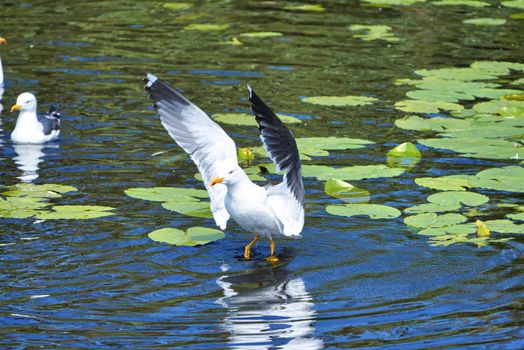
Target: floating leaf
column 196, row 209
column 332, row 143
column 206, row 27
column 432, row 208
column 413, row 122
column 393, row 2
column 38, row 191
column 75, row 212
column 516, row 4
column 261, row 34
column 517, row 216
column 471, row 199
column 345, row 191
column 519, row 15
column 505, row 226
column 191, row 237
column 165, row 194
column 459, row 229
column 482, row 230
column 374, row 211
column 177, row 6
column 406, row 155
column 475, row 148
column 419, row 106
column 373, row 32
column 432, row 220
column 448, row 183
column 358, row 172
column 249, row 119
column 485, row 21
column 312, row 8
column 505, row 108
column 471, row 3
column 340, row 100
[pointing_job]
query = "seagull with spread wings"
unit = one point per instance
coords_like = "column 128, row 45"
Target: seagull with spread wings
column 264, row 211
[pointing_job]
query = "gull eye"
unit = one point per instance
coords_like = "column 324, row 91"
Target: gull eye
column 28, row 101
column 230, row 172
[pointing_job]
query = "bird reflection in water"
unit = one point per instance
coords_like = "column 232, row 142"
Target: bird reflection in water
column 268, row 309
column 27, row 158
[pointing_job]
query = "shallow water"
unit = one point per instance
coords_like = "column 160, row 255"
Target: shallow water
column 347, row 283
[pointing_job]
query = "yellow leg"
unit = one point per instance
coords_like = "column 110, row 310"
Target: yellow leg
column 272, row 258
column 247, row 249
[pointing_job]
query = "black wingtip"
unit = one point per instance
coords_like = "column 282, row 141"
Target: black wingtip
column 53, row 112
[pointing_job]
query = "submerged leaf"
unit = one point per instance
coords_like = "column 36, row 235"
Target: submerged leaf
column 191, row 237
column 345, row 191
column 374, row 211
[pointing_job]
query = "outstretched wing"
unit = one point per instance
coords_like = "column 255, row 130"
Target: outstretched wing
column 287, row 198
column 211, row 149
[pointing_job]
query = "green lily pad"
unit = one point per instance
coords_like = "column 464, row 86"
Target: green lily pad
column 75, row 212
column 196, row 209
column 432, row 220
column 446, row 183
column 261, row 34
column 166, row 194
column 206, row 27
column 459, row 230
column 505, row 108
column 508, row 178
column 471, row 3
column 516, row 216
column 519, row 15
column 373, row 32
column 505, row 226
column 413, row 122
column 431, row 208
column 358, row 172
column 332, row 143
column 476, row 148
column 406, row 155
column 460, row 74
column 345, row 191
column 374, row 211
column 176, row 6
column 471, row 199
column 249, row 119
column 419, row 106
column 37, row 191
column 308, row 7
column 485, row 21
column 516, row 4
column 191, row 237
column 340, row 100
column 393, row 2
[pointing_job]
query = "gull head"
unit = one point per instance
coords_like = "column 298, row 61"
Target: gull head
column 229, row 177
column 25, row 102
column 2, row 41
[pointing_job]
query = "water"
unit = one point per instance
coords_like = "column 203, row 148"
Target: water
column 348, row 283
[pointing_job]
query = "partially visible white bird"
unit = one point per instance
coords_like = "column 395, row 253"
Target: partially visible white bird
column 2, row 42
column 30, row 127
column 266, row 211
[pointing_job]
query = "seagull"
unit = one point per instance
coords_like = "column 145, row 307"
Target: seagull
column 30, row 127
column 2, row 42
column 264, row 211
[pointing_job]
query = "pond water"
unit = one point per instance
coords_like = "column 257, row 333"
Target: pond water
column 349, row 282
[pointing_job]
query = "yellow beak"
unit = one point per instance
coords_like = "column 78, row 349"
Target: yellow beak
column 217, row 180
column 3, row 41
column 15, row 108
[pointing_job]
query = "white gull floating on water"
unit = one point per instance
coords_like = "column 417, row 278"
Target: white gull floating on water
column 30, row 127
column 2, row 42
column 264, row 211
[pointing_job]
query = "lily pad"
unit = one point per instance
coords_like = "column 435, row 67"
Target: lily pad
column 345, row 191
column 206, row 27
column 37, row 191
column 516, row 4
column 176, row 6
column 505, row 226
column 307, row 7
column 196, row 209
column 374, row 211
column 249, row 119
column 191, row 237
column 485, row 21
column 358, row 172
column 432, row 220
column 373, row 32
column 165, row 194
column 446, row 183
column 340, row 101
column 413, row 122
column 393, row 2
column 432, row 208
column 75, row 212
column 508, row 178
column 420, row 106
column 261, row 34
column 476, row 148
column 406, row 155
column 471, row 199
column 332, row 143
column 470, row 3
column 516, row 216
